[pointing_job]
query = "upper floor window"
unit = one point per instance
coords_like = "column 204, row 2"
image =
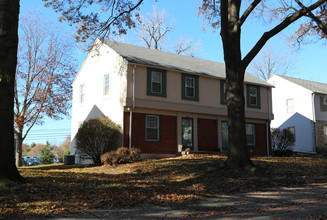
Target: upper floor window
column 223, row 93
column 156, row 82
column 152, row 123
column 250, row 134
column 190, row 87
column 289, row 105
column 253, row 96
column 106, row 85
column 323, row 104
column 81, row 93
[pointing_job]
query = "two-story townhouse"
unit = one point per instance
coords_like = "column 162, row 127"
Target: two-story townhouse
column 165, row 102
column 301, row 107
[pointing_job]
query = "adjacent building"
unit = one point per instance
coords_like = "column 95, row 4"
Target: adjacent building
column 165, row 102
column 301, row 107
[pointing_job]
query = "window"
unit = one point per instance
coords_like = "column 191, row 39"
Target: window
column 190, row 87
column 106, row 85
column 152, row 128
column 289, row 106
column 156, row 82
column 323, row 104
column 81, row 93
column 223, row 93
column 292, row 131
column 325, row 134
column 253, row 96
column 250, row 134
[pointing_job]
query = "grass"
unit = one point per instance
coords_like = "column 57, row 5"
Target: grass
column 60, row 190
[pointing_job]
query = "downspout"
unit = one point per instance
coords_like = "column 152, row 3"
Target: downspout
column 131, row 110
column 314, row 122
column 269, row 119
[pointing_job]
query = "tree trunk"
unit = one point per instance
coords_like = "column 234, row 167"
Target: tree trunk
column 9, row 12
column 238, row 155
column 19, row 149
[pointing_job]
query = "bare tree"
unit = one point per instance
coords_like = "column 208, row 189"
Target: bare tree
column 154, row 29
column 269, row 62
column 45, row 71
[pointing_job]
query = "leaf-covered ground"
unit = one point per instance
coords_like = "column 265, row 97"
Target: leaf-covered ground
column 60, row 190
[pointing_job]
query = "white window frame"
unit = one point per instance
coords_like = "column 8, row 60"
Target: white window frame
column 289, row 105
column 147, row 117
column 254, row 135
column 192, row 87
column 106, row 86
column 292, row 132
column 153, row 81
column 82, row 93
column 325, row 134
column 251, row 95
column 323, row 103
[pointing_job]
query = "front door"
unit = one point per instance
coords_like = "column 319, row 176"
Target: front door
column 187, row 133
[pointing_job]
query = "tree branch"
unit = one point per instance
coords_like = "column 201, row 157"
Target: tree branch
column 269, row 34
column 248, row 12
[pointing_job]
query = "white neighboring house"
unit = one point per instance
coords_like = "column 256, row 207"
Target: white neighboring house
column 301, row 107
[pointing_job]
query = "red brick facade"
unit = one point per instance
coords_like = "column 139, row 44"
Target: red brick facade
column 207, row 135
column 168, row 134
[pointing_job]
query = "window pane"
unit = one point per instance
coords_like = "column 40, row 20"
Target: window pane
column 325, row 134
column 253, row 95
column 156, row 77
column 156, row 87
column 81, row 93
column 290, row 105
column 190, row 92
column 152, row 128
column 106, row 85
column 152, row 134
column 250, row 134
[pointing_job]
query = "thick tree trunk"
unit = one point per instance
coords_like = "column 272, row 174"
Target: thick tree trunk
column 19, row 149
column 238, row 155
column 9, row 12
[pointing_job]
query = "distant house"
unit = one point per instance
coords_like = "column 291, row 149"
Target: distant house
column 165, row 102
column 301, row 107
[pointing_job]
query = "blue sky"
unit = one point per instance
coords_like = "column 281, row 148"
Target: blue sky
column 309, row 65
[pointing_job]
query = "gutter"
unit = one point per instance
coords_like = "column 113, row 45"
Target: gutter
column 315, row 141
column 131, row 110
column 269, row 119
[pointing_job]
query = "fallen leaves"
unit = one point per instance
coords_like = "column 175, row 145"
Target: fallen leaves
column 60, row 190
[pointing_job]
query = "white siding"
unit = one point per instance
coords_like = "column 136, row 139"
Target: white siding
column 301, row 118
column 96, row 104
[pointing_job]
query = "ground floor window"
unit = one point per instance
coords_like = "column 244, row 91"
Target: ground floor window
column 250, row 134
column 325, row 134
column 292, row 131
column 152, row 127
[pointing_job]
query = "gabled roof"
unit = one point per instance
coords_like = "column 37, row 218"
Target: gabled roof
column 315, row 87
column 175, row 62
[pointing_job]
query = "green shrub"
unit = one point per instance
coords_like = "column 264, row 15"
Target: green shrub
column 121, row 156
column 282, row 141
column 47, row 156
column 96, row 137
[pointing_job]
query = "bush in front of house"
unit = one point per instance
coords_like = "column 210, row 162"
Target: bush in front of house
column 96, row 137
column 121, row 156
column 282, row 141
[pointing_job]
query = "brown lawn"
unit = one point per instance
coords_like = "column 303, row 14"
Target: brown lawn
column 59, row 190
